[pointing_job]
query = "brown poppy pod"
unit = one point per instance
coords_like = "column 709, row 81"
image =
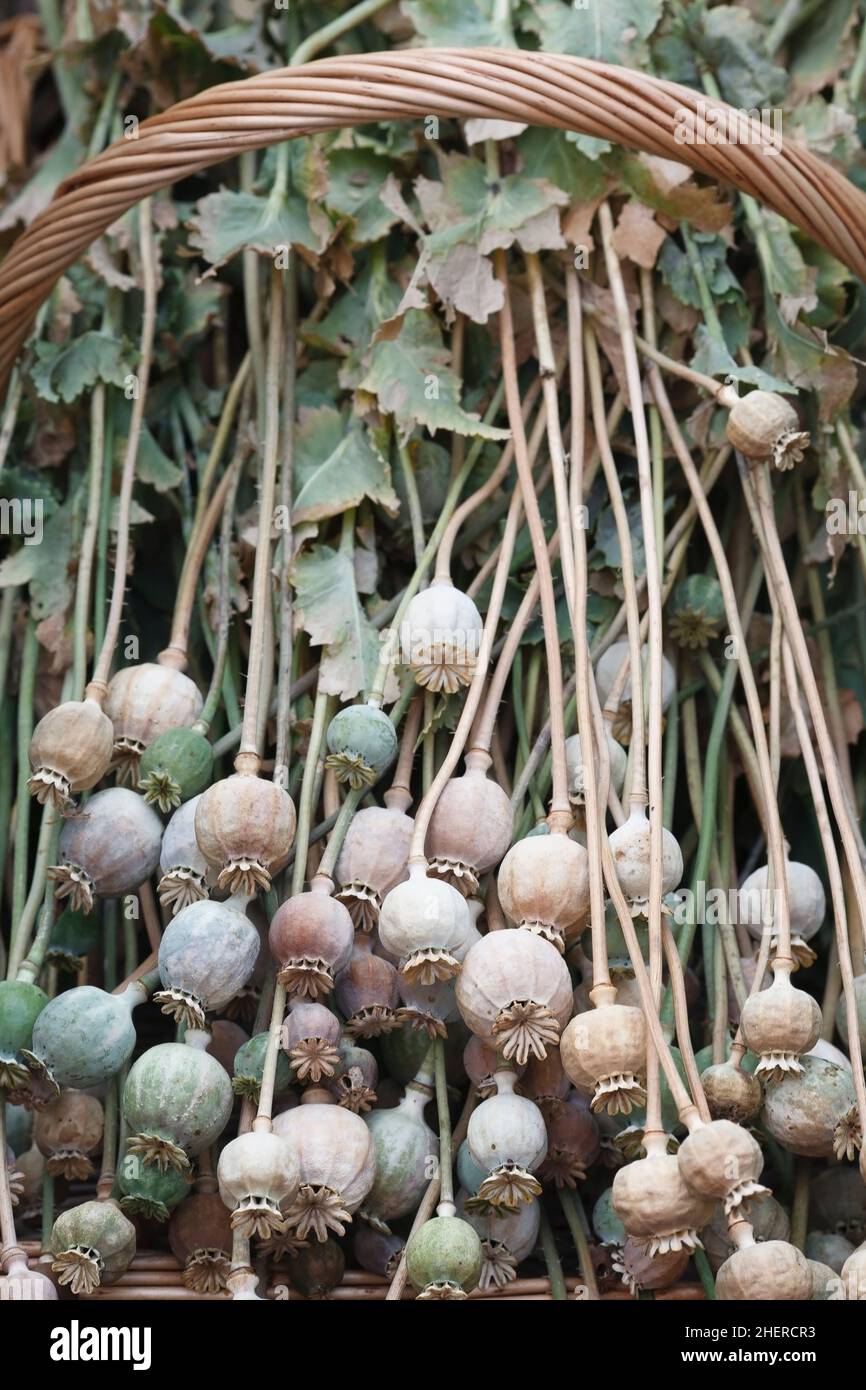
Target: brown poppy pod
column 780, row 1024
column 765, row 426
column 67, row 1132
column 70, row 751
column 639, row 1270
column 544, row 1081
column 374, row 857
column 311, row 938
column 722, row 1161
column 245, row 828
column 761, row 1271
column 732, row 1094
column 471, row 826
column 573, row 1144
column 200, row 1236
column 543, row 885
column 607, row 1047
column 311, row 1039
column 657, row 1207
column 143, row 701
column 366, row 992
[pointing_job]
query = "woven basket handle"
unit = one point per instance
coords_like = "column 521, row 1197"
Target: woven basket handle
column 616, row 104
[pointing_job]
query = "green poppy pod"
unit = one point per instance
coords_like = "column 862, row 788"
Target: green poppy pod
column 92, row 1244
column 177, row 1101
column 150, row 1192
column 175, row 767
column 74, row 936
column 697, row 611
column 21, row 1004
column 362, row 743
column 444, row 1258
column 249, row 1065
column 84, row 1036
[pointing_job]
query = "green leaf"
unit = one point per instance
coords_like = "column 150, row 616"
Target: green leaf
column 62, row 371
column 733, row 45
column 551, row 155
column 336, row 465
column 713, row 359
column 330, row 612
column 611, row 31
column 354, row 185
column 458, row 24
column 225, row 223
column 412, row 379
column 370, row 298
column 45, row 567
column 467, row 207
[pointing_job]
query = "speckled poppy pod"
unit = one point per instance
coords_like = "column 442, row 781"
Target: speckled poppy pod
column 630, row 847
column 366, row 992
column 176, row 1102
column 107, row 849
column 732, row 1093
column 70, row 751
column 145, row 701
column 508, row 1140
column 764, row 426
column 471, row 826
column 507, row 1238
column 337, row 1164
column 21, row 1003
column 83, row 1037
column 722, row 1161
column 543, row 885
column 311, row 938
column 405, row 1150
column 200, row 1236
column 807, row 904
column 618, row 759
column 656, row 1205
column 440, row 637
column 67, row 1132
column 362, row 744
column 813, row 1113
column 514, row 992
column 245, row 828
column 426, row 924
column 92, row 1244
column 311, row 1040
column 258, row 1176
column 206, row 955
column 780, row 1024
column 606, row 1048
column 444, row 1259
column 374, row 857
column 185, row 874
column 763, row 1270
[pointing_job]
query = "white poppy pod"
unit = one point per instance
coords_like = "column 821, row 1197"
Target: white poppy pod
column 207, row 954
column 543, row 885
column 425, row 923
column 630, row 847
column 372, row 861
column 609, row 663
column 337, row 1164
column 514, row 992
column 258, row 1175
column 574, row 765
column 185, row 874
column 507, row 1138
column 807, row 905
column 440, row 637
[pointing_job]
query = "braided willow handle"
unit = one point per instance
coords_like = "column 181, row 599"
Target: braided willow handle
column 616, row 104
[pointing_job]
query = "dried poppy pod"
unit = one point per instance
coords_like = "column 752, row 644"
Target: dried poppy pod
column 780, row 1024
column 74, row 936
column 317, row 1269
column 176, row 1101
column 508, row 1140
column 362, row 744
column 67, row 1131
column 722, row 1162
column 84, row 1036
column 311, row 937
column 814, row 1114
column 630, row 847
column 366, row 992
column 573, row 1145
column 258, row 1176
column 245, row 828
column 405, row 1150
column 374, row 857
column 444, row 1259
column 769, row 1221
column 639, row 1270
column 426, row 924
column 606, row 1047
column 732, row 1093
column 607, row 669
column 429, row 1008
column 854, row 1276
column 617, row 757
column 471, row 826
column 92, row 1245
column 70, row 751
column 311, row 1040
column 765, row 426
column 21, row 1003
column 176, row 766
column 440, row 637
column 354, row 1085
column 337, row 1163
column 545, row 1082
column 507, row 1238
column 759, row 1271
column 206, row 955
column 828, row 1249
column 149, row 1193
column 107, row 849
column 185, row 874
column 827, row 1285
column 200, row 1236
column 248, row 1068
column 837, row 1202
column 377, row 1252
column 226, row 1039
column 657, row 1207
column 543, row 885
column 480, row 1061
column 807, row 903
column 514, row 992
column 144, row 701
